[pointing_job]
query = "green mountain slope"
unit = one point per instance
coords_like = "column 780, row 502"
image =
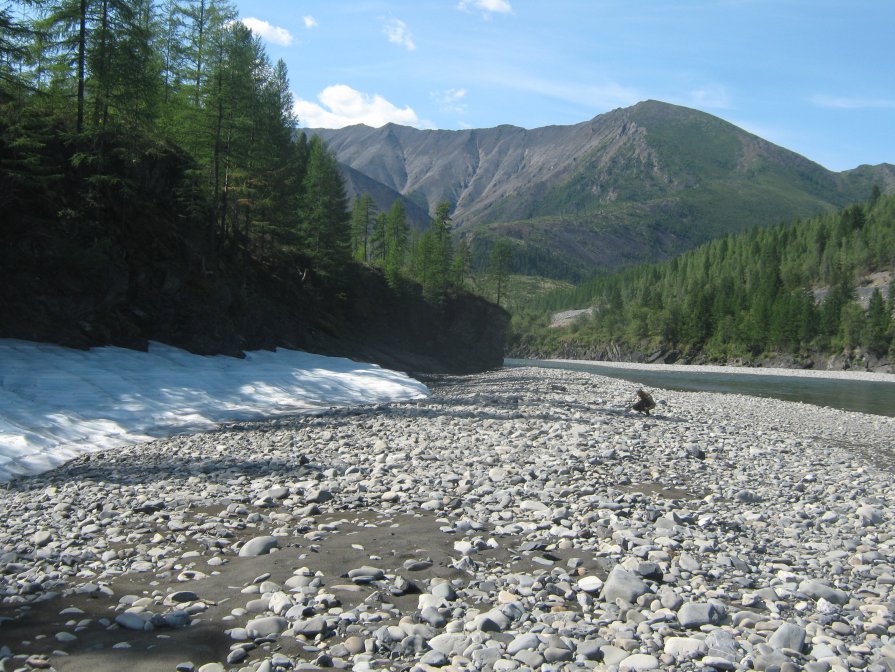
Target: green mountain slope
column 635, row 184
column 806, row 291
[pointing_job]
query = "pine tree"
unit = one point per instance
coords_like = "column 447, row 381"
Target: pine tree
column 362, row 218
column 378, row 239
column 462, row 263
column 324, row 212
column 877, row 331
column 499, row 266
column 437, row 254
column 396, row 239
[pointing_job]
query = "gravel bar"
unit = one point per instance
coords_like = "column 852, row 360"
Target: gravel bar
column 524, row 519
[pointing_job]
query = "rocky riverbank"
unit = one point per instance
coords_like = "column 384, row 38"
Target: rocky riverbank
column 516, row 520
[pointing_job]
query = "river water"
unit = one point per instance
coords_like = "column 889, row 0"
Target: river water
column 876, row 397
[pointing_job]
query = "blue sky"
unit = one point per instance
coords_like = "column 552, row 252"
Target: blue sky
column 815, row 76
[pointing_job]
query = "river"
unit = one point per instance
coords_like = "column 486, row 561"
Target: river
column 866, row 396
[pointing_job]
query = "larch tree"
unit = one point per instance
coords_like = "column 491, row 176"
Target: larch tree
column 396, row 239
column 325, row 221
column 362, row 217
column 499, row 266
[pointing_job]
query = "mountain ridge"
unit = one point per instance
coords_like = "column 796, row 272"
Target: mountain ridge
column 634, row 184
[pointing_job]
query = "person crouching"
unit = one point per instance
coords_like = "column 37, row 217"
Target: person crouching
column 644, row 403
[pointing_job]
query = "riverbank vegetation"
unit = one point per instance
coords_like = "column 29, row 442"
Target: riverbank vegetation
column 791, row 288
column 155, row 185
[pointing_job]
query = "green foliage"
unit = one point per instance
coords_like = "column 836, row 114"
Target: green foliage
column 396, row 242
column 433, row 257
column 362, row 220
column 744, row 295
column 325, row 222
column 499, row 266
column 100, row 99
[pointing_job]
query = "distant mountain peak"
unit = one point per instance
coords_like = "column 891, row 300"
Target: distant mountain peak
column 632, row 184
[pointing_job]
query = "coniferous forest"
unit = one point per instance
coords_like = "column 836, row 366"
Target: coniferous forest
column 154, row 184
column 787, row 290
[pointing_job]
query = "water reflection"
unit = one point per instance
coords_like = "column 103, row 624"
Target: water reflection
column 877, row 397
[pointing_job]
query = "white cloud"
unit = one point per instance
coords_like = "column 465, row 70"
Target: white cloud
column 487, row 7
column 397, row 33
column 267, row 32
column 596, row 97
column 844, row 103
column 450, row 100
column 310, row 21
column 341, row 106
column 711, row 96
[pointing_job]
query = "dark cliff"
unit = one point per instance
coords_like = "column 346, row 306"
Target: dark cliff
column 211, row 312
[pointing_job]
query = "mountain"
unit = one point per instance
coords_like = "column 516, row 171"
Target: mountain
column 357, row 184
column 635, row 184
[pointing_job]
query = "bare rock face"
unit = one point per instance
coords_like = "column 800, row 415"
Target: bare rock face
column 594, row 192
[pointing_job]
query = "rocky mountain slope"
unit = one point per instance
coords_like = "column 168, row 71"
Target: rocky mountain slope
column 634, row 184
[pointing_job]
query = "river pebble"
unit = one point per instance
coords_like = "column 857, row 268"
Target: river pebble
column 522, row 519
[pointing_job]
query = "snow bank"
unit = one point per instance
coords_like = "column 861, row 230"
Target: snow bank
column 56, row 403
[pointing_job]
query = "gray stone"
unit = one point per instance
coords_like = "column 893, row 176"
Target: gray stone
column 131, row 621
column 788, row 636
column 212, row 667
column 182, row 596
column 688, row 562
column 622, row 584
column 174, row 619
column 531, row 658
column 684, row 648
column 433, row 617
column 366, row 574
column 869, row 516
column 694, row 615
column 237, row 656
column 717, row 663
column 444, row 590
column 590, row 649
column 449, row 643
column 310, row 628
column 670, row 599
column 318, row 496
column 258, row 546
column 818, row 666
column 613, row 655
column 747, row 496
column 555, row 654
column 266, row 625
column 818, row 589
column 435, row 659
column 639, row 662
column 770, row 661
column 590, row 584
column 354, row 644
column 493, row 620
column 486, row 657
column 526, row 640
column 721, row 644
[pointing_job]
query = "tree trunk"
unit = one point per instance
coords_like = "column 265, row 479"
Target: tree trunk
column 82, row 58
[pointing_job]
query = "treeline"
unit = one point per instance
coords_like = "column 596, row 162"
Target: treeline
column 789, row 289
column 164, row 117
column 430, row 258
column 154, row 186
